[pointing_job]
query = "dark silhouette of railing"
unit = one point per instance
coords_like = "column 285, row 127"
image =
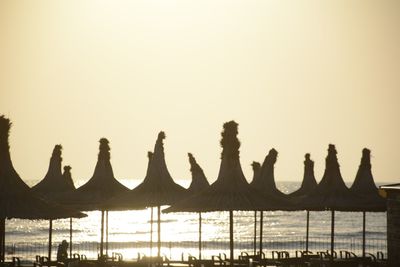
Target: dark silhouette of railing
column 173, row 250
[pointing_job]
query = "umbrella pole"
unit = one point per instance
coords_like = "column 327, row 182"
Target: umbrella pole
column 106, row 232
column 199, row 235
column 363, row 246
column 255, row 232
column 102, row 234
column 50, row 238
column 2, row 239
column 307, row 230
column 151, row 232
column 70, row 237
column 261, row 232
column 159, row 231
column 332, row 235
column 231, row 236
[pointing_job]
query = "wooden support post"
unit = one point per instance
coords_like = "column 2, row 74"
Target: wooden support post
column 255, row 232
column 70, row 237
column 199, row 235
column 332, row 236
column 231, row 238
column 102, row 234
column 50, row 239
column 308, row 227
column 159, row 231
column 261, row 232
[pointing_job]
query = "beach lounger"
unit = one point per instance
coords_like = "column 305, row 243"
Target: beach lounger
column 44, row 261
column 193, row 262
column 16, row 262
column 259, row 259
column 380, row 258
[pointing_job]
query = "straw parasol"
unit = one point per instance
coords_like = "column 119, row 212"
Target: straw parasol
column 364, row 186
column 54, row 182
column 198, row 184
column 16, row 198
column 266, row 179
column 264, row 183
column 309, row 183
column 101, row 187
column 157, row 189
column 332, row 193
column 230, row 191
column 199, row 180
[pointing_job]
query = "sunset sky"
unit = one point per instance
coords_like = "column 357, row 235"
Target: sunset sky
column 295, row 75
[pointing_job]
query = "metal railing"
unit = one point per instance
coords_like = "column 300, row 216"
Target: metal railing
column 174, row 250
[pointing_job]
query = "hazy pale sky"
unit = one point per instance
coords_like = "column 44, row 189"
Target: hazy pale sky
column 295, row 75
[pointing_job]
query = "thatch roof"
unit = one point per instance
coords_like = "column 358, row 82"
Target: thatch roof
column 332, row 193
column 265, row 181
column 364, row 184
column 157, row 189
column 54, row 182
column 199, row 180
column 101, row 187
column 256, row 166
column 230, row 191
column 309, row 182
column 16, row 198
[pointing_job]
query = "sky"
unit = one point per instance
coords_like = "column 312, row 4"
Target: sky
column 295, row 75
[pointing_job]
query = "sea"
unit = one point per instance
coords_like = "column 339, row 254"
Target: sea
column 129, row 233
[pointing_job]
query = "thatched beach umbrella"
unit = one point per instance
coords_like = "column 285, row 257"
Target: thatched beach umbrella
column 16, row 198
column 157, row 189
column 364, row 186
column 100, row 188
column 55, row 183
column 198, row 184
column 309, row 183
column 266, row 179
column 199, row 180
column 264, row 183
column 331, row 193
column 112, row 204
column 230, row 191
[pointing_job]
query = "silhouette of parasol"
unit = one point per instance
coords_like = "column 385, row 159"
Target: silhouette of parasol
column 364, row 186
column 157, row 189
